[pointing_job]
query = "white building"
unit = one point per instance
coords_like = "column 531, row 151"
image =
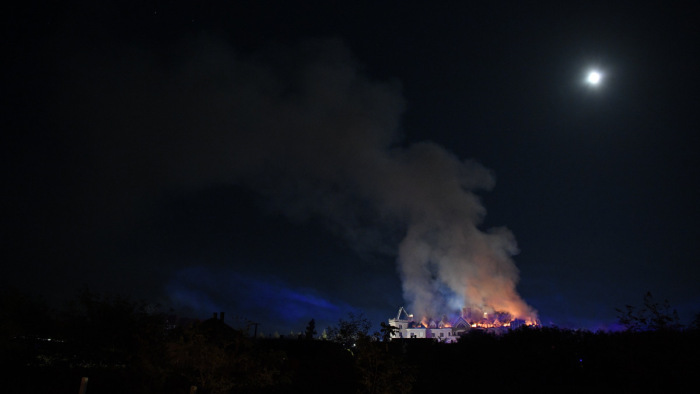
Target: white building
column 450, row 329
column 443, row 330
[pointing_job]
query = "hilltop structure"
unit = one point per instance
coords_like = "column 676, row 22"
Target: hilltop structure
column 450, row 329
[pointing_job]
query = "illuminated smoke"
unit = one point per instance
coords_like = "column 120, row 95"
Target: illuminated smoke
column 307, row 129
column 445, row 261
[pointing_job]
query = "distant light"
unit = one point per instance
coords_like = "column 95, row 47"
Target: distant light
column 594, row 78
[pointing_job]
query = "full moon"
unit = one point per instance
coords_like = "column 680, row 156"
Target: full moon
column 594, row 78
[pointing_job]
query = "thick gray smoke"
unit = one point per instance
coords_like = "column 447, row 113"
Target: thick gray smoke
column 307, row 129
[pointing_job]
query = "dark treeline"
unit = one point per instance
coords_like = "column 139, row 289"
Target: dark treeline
column 125, row 346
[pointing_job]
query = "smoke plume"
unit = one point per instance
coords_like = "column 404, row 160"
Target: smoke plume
column 307, row 129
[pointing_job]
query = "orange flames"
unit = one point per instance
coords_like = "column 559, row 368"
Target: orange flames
column 425, row 322
column 478, row 319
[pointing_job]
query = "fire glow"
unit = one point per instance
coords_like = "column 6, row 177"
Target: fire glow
column 448, row 329
column 494, row 320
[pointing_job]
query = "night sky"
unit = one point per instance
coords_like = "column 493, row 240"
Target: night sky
column 282, row 162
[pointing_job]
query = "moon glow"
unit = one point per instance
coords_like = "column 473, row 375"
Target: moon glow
column 594, row 78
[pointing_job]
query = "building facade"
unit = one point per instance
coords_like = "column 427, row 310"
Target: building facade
column 445, row 330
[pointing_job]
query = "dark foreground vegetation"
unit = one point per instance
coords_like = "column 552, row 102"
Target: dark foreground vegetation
column 126, row 347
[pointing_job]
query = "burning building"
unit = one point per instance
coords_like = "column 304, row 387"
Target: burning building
column 449, row 329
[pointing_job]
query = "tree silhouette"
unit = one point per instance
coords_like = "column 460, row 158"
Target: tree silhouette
column 652, row 316
column 379, row 370
column 218, row 358
column 310, row 330
column 387, row 331
column 695, row 324
column 348, row 332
